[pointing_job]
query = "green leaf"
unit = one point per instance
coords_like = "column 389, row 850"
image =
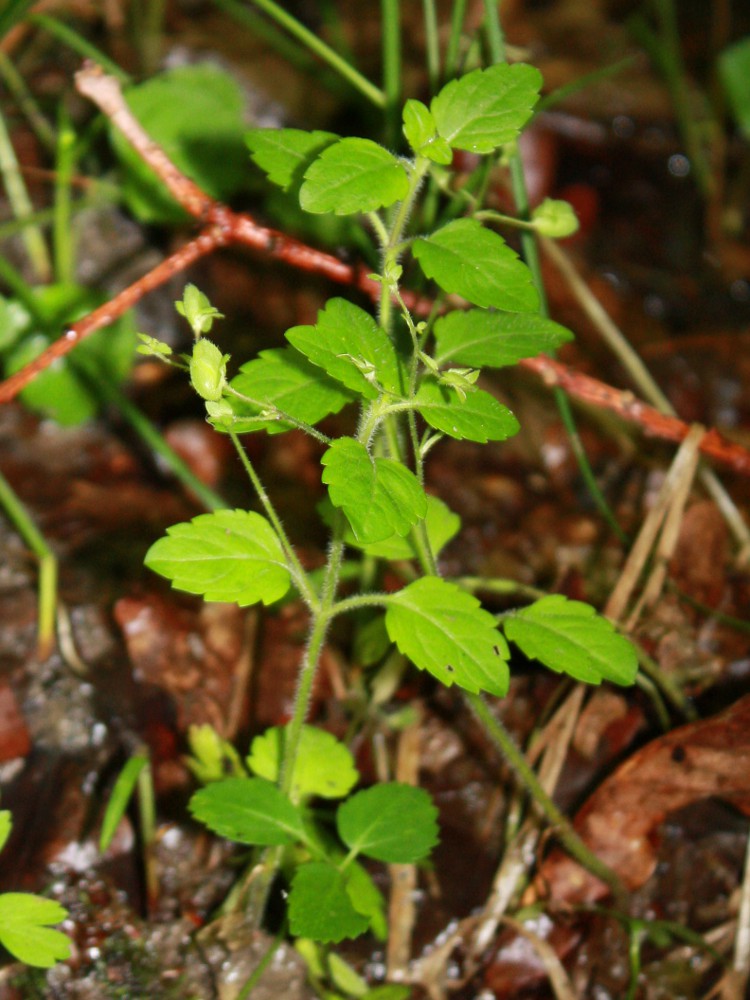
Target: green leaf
column 444, row 630
column 6, row 825
column 479, row 417
column 554, row 218
column 229, row 555
column 320, row 906
column 208, row 370
column 421, row 133
column 344, row 978
column 495, row 339
column 442, row 525
column 248, row 811
column 12, row 12
column 570, row 637
column 152, row 347
column 734, row 71
column 323, row 767
column 211, row 757
column 66, row 390
column 196, row 307
column 285, row 153
column 367, row 899
column 380, row 497
column 348, row 344
column 371, row 641
column 392, row 822
column 468, row 260
column 353, row 175
column 24, row 929
column 120, row 797
column 195, row 114
column 488, row 107
column 284, row 379
column 390, row 991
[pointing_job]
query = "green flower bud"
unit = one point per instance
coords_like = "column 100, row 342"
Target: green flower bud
column 208, row 370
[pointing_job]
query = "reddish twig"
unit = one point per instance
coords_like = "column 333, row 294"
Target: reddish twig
column 627, row 406
column 222, row 226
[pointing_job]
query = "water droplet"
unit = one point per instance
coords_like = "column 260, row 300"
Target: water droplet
column 678, row 165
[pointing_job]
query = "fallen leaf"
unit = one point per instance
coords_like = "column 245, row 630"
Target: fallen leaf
column 620, row 822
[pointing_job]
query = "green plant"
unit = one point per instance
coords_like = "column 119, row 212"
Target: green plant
column 25, row 920
column 412, row 375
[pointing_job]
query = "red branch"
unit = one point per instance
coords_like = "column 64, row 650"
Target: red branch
column 222, row 226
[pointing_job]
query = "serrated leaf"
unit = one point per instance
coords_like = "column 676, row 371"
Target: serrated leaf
column 346, row 342
column 495, row 339
column 284, row 153
column 24, row 930
column 323, row 766
column 442, row 525
column 468, row 260
column 229, row 555
column 392, row 822
column 353, row 175
column 488, row 107
column 478, row 417
column 421, row 133
column 285, row 379
column 444, row 630
column 570, row 637
column 248, row 811
column 380, row 497
column 194, row 113
column 320, row 906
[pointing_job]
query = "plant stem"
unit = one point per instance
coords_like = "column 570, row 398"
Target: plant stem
column 156, row 442
column 148, row 28
column 531, row 256
column 391, row 42
column 47, row 593
column 669, row 58
column 433, row 43
column 78, row 44
column 21, row 204
column 26, row 102
column 498, row 585
column 311, row 659
column 62, row 241
column 295, row 566
column 520, row 765
column 323, row 51
column 280, row 415
column 252, row 981
column 147, row 823
column 454, row 39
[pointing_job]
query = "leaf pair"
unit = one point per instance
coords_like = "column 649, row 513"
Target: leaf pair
column 328, row 900
column 25, row 920
column 235, row 555
column 479, row 113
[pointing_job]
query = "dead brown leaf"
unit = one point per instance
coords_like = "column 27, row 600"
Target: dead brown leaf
column 620, row 822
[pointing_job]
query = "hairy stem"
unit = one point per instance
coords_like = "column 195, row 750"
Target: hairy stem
column 520, row 765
